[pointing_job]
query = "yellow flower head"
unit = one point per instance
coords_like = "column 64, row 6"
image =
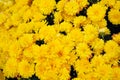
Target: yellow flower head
column 78, row 21
column 82, row 3
column 116, row 37
column 67, row 17
column 71, row 7
column 45, row 6
column 83, row 50
column 114, row 16
column 100, row 24
column 58, row 17
column 76, row 35
column 111, row 46
column 108, row 3
column 26, row 40
column 25, row 69
column 96, row 12
column 60, row 5
column 116, row 73
column 90, row 33
column 98, row 46
column 10, row 68
column 65, row 26
column 117, row 5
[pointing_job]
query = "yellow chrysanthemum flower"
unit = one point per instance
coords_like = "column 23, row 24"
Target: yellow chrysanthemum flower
column 108, row 3
column 104, row 30
column 90, row 33
column 100, row 24
column 79, row 35
column 116, row 73
column 4, row 4
column 117, row 5
column 60, row 5
column 96, row 12
column 14, row 49
column 78, row 21
column 26, row 40
column 67, row 17
column 98, row 46
column 71, row 7
column 3, row 17
column 114, row 16
column 104, row 71
column 10, row 68
column 65, row 26
column 116, row 37
column 83, row 50
column 45, row 6
column 25, row 69
column 82, row 66
column 111, row 46
column 58, row 17
column 47, row 33
column 112, row 50
column 82, row 3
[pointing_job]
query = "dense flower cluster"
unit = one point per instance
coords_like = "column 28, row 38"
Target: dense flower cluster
column 59, row 39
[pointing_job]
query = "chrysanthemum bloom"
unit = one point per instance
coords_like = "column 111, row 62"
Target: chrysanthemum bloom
column 90, row 33
column 117, row 5
column 98, row 46
column 25, row 69
column 82, row 3
column 57, row 17
column 71, row 7
column 112, row 50
column 116, row 37
column 78, row 21
column 76, row 35
column 101, row 24
column 10, row 69
column 108, row 3
column 45, row 6
column 83, row 50
column 116, row 73
column 96, row 12
column 65, row 26
column 114, row 16
column 60, row 5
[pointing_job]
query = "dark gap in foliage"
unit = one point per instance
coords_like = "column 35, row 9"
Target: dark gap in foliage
column 82, row 13
column 29, row 20
column 78, row 58
column 73, row 73
column 33, row 31
column 1, row 69
column 30, row 2
column 82, row 29
column 102, row 53
column 11, row 78
column 50, row 19
column 34, row 77
column 39, row 42
column 93, row 1
column 92, row 55
column 118, row 62
column 74, row 48
column 61, row 21
column 57, row 1
column 63, row 32
column 105, row 37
